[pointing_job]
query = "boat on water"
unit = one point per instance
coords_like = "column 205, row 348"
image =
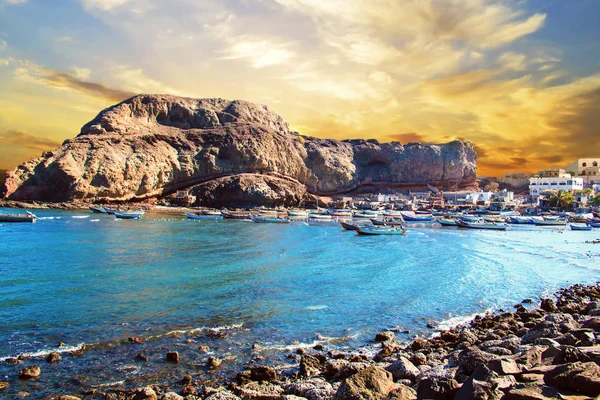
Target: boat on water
column 448, row 222
column 236, row 216
column 594, row 224
column 495, row 218
column 387, row 222
column 298, row 213
column 392, row 213
column 97, row 210
column 319, row 216
column 27, row 217
column 585, row 227
column 482, row 225
column 520, row 220
column 111, row 211
column 550, row 222
column 129, row 214
column 363, row 215
column 341, row 213
column 273, row 220
column 202, row 215
column 267, row 211
column 417, row 218
column 349, row 226
column 381, row 230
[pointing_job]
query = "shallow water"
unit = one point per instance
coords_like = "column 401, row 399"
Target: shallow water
column 82, row 278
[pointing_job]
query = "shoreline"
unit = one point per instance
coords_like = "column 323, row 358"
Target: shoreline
column 508, row 355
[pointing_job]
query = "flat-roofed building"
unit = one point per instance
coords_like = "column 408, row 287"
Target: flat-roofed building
column 539, row 184
column 586, row 168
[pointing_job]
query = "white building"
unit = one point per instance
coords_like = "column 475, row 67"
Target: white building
column 586, row 168
column 538, row 185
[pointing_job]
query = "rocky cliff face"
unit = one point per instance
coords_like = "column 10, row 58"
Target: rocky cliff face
column 152, row 145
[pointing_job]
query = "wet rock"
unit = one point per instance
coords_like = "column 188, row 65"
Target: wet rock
column 403, row 369
column 370, row 383
column 213, row 362
column 173, row 356
column 471, row 357
column 203, row 349
column 30, row 372
column 312, row 389
column 583, row 377
column 141, row 357
column 146, row 393
column 309, row 366
column 188, row 390
column 418, row 358
column 223, row 395
column 350, row 369
column 135, row 339
column 266, row 374
column 402, row 392
column 418, row 344
column 218, row 334
column 548, row 305
column 260, row 391
column 54, row 357
column 387, row 350
column 67, row 397
column 318, row 347
column 385, row 336
column 532, row 391
column 13, row 360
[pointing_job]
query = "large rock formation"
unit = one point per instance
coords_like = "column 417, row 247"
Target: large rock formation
column 152, row 145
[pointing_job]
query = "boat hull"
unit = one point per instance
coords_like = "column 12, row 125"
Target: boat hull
column 375, row 232
column 16, row 218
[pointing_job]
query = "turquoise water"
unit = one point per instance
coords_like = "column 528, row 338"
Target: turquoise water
column 89, row 279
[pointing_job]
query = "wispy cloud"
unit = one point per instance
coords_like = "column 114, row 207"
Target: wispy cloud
column 27, row 140
column 259, row 52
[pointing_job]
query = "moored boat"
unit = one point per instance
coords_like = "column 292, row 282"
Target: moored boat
column 350, row 227
column 111, row 211
column 341, row 213
column 483, row 225
column 417, row 218
column 129, row 215
column 273, row 220
column 387, row 222
column 585, row 227
column 319, row 216
column 520, row 220
column 236, row 216
column 97, row 210
column 27, row 217
column 447, row 222
column 201, row 215
column 369, row 231
column 298, row 213
column 550, row 222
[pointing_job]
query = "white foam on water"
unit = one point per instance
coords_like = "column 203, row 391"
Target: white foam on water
column 317, row 307
column 45, row 352
column 94, row 220
column 47, row 217
column 110, row 384
column 80, row 216
column 197, row 330
column 456, row 320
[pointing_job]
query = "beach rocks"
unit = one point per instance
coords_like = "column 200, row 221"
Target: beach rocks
column 370, row 383
column 259, row 391
column 583, row 377
column 54, row 357
column 30, row 372
column 266, row 374
column 309, row 366
column 213, row 362
column 385, row 336
column 312, row 389
column 403, row 369
column 146, row 393
column 472, row 357
column 532, row 391
column 223, row 395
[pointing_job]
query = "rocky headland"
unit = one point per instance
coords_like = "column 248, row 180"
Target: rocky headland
column 222, row 151
column 545, row 351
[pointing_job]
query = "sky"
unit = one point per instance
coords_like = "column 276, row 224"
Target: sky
column 520, row 79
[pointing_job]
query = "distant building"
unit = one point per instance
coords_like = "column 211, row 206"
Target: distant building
column 539, row 184
column 552, row 173
column 586, row 168
column 516, row 179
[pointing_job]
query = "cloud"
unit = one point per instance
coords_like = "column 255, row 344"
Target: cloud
column 552, row 159
column 259, row 52
column 15, row 2
column 519, row 161
column 481, row 151
column 104, row 5
column 409, row 137
column 3, row 45
column 27, row 140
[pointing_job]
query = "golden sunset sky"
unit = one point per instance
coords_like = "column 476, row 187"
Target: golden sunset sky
column 520, row 79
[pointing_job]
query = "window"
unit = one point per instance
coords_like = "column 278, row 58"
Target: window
column 595, row 163
column 584, row 164
column 569, row 182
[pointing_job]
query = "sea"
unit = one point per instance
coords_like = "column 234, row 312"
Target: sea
column 101, row 291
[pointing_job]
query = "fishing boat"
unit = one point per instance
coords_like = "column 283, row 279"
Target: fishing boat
column 201, row 215
column 111, row 211
column 519, row 220
column 495, row 218
column 129, row 215
column 27, row 217
column 236, row 216
column 298, row 213
column 319, row 216
column 580, row 227
column 341, row 213
column 266, row 211
column 594, row 224
column 550, row 222
column 483, row 225
column 363, row 215
column 273, row 220
column 348, row 226
column 417, row 218
column 97, row 210
column 387, row 222
column 362, row 230
column 448, row 222
column 392, row 213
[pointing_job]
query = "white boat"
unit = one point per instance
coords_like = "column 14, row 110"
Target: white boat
column 483, row 225
column 550, row 222
column 272, row 220
column 391, row 213
column 341, row 213
column 298, row 213
column 582, row 227
column 381, row 230
column 27, row 217
column 320, row 216
column 203, row 216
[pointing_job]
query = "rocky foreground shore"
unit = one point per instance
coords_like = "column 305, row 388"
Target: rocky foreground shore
column 546, row 352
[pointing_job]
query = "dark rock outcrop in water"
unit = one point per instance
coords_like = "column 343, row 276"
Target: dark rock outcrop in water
column 150, row 146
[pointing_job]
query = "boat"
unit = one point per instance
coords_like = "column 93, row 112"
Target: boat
column 27, row 217
column 273, row 220
column 348, row 226
column 129, row 215
column 319, row 216
column 392, row 213
column 97, row 210
column 266, row 211
column 369, row 231
column 417, row 218
column 518, row 220
column 550, row 222
column 388, row 222
column 363, row 215
column 201, row 215
column 341, row 213
column 111, row 211
column 482, row 225
column 237, row 216
column 297, row 213
column 580, row 227
column 495, row 218
column 211, row 213
column 448, row 222
column 594, row 224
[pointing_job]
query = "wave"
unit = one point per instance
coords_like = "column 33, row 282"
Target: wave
column 45, row 352
column 317, row 307
column 307, row 345
column 80, row 216
column 456, row 320
column 202, row 329
column 94, row 220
